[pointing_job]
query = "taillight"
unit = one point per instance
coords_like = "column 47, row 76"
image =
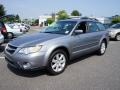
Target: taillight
column 4, row 30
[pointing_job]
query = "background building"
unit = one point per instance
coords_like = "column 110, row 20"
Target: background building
column 104, row 20
column 43, row 19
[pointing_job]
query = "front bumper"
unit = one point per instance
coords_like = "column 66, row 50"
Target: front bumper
column 26, row 62
column 112, row 35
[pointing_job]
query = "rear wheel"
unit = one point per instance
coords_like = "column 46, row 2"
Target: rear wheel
column 10, row 35
column 102, row 48
column 57, row 62
column 117, row 37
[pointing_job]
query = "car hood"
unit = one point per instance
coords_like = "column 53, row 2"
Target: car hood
column 33, row 39
column 112, row 29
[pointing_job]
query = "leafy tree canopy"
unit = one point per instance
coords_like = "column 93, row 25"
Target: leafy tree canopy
column 62, row 15
column 2, row 10
column 76, row 13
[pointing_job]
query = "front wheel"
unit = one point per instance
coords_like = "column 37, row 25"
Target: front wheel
column 117, row 37
column 102, row 48
column 57, row 62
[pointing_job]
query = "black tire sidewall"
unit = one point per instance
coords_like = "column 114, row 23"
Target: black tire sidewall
column 11, row 35
column 49, row 68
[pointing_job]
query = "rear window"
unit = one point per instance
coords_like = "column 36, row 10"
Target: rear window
column 92, row 27
column 115, row 26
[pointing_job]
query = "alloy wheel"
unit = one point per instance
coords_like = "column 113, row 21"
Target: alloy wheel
column 58, row 62
column 118, row 37
column 103, row 48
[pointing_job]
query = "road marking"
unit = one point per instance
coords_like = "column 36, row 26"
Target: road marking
column 2, row 57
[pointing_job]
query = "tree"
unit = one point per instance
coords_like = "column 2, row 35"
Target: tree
column 53, row 16
column 36, row 22
column 62, row 15
column 50, row 20
column 11, row 19
column 8, row 18
column 2, row 10
column 116, row 20
column 76, row 13
column 17, row 18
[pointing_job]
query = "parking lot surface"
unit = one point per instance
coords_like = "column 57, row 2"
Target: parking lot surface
column 89, row 72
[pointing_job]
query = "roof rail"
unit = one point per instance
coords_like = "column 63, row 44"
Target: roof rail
column 89, row 18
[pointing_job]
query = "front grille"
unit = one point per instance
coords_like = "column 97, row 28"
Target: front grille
column 11, row 49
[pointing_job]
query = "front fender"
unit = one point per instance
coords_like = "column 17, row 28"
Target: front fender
column 53, row 48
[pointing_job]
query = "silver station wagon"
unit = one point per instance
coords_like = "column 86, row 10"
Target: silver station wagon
column 114, row 32
column 54, row 46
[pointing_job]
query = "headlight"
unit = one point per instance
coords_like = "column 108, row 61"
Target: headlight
column 110, row 32
column 30, row 50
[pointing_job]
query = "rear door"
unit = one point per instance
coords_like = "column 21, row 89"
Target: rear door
column 94, row 34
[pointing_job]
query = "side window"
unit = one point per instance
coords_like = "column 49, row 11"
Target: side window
column 92, row 27
column 101, row 27
column 82, row 26
column 118, row 25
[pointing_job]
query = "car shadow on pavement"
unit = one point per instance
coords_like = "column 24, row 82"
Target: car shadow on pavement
column 7, row 40
column 2, row 48
column 36, row 73
column 82, row 58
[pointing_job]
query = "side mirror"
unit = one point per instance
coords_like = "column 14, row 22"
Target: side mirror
column 78, row 32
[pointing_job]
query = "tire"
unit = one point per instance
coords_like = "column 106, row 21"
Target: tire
column 10, row 35
column 102, row 48
column 55, row 64
column 117, row 37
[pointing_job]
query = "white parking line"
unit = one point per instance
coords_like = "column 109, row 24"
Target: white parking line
column 2, row 57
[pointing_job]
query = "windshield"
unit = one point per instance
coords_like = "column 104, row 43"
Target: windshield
column 115, row 26
column 60, row 27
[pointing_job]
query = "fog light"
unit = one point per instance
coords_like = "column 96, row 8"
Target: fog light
column 26, row 65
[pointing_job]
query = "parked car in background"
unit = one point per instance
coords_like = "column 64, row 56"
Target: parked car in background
column 22, row 26
column 107, row 26
column 57, row 44
column 27, row 27
column 1, row 38
column 9, row 32
column 114, row 32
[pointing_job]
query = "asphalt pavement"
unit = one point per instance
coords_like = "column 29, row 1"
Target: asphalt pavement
column 90, row 72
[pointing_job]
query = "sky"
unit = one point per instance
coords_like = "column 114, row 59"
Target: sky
column 35, row 8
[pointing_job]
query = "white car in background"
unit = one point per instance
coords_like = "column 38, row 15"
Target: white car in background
column 8, row 31
column 13, row 32
column 22, row 26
